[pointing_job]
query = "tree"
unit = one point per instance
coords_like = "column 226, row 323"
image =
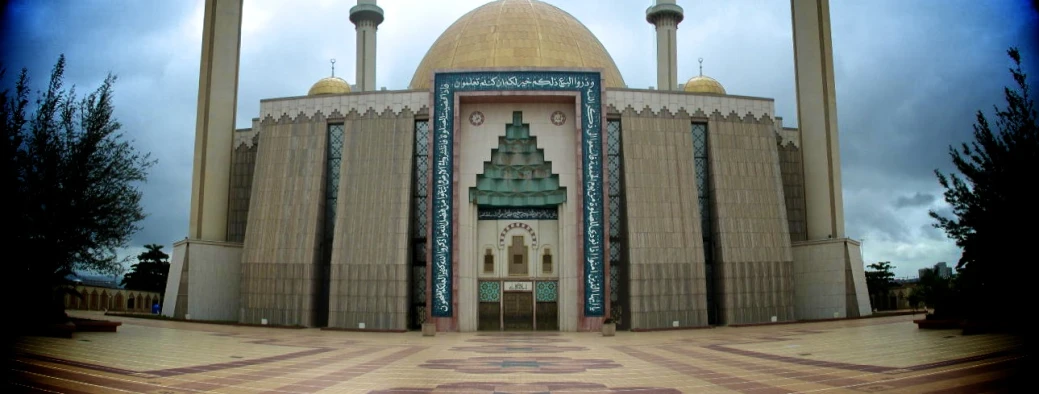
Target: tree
column 992, row 202
column 942, row 294
column 880, row 280
column 914, row 299
column 149, row 274
column 73, row 196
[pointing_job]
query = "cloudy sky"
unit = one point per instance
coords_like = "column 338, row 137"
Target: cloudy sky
column 910, row 75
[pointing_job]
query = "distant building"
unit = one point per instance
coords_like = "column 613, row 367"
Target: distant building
column 943, row 270
column 96, row 298
column 104, row 281
column 105, row 293
column 897, row 296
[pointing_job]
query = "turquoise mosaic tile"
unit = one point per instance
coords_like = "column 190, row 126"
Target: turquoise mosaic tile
column 546, row 292
column 490, row 291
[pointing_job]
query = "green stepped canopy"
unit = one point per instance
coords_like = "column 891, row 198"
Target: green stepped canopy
column 517, row 174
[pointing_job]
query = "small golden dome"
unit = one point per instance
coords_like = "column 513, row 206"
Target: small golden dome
column 516, row 33
column 702, row 84
column 329, row 85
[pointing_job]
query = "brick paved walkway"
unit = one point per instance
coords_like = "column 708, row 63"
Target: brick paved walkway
column 886, row 354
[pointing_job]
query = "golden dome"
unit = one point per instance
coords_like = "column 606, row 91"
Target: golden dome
column 702, row 84
column 329, row 85
column 516, row 33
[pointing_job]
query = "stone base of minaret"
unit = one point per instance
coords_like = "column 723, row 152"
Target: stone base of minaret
column 829, row 280
column 203, row 281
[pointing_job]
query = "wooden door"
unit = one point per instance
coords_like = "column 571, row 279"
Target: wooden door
column 518, row 310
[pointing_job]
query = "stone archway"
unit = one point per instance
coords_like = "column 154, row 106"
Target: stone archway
column 105, row 300
column 94, row 301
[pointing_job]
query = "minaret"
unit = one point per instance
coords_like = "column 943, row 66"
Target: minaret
column 204, row 261
column 215, row 119
column 366, row 16
column 817, row 118
column 666, row 15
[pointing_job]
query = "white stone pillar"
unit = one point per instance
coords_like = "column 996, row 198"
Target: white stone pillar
column 204, row 276
column 215, row 121
column 817, row 118
column 666, row 15
column 366, row 16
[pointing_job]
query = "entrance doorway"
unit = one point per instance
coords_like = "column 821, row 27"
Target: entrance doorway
column 518, row 306
column 518, row 311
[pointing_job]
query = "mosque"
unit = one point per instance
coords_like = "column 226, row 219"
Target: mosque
column 517, row 184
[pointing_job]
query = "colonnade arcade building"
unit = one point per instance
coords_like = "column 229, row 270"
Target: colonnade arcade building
column 517, row 184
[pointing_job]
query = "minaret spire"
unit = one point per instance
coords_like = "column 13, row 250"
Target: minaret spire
column 665, row 15
column 366, row 16
column 699, row 60
column 334, row 68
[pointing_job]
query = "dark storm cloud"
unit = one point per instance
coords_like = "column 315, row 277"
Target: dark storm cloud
column 154, row 93
column 945, row 212
column 931, row 232
column 910, row 75
column 916, row 200
column 878, row 223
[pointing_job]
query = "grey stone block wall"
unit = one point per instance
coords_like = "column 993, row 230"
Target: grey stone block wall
column 665, row 246
column 792, row 171
column 370, row 260
column 243, row 162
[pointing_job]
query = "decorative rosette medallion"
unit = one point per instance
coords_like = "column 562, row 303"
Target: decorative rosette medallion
column 558, row 118
column 476, row 118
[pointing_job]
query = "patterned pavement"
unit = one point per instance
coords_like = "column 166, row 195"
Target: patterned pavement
column 883, row 354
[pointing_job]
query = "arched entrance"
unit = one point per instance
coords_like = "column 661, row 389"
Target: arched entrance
column 105, row 305
column 94, row 300
column 563, row 110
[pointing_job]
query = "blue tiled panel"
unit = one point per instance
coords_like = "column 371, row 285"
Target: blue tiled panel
column 589, row 87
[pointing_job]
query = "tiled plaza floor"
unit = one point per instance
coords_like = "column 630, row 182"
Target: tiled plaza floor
column 884, row 354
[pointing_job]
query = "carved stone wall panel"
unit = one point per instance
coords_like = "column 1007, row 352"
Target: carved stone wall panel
column 666, row 259
column 414, row 101
column 657, row 101
column 751, row 230
column 791, row 167
column 243, row 162
column 370, row 257
column 280, row 272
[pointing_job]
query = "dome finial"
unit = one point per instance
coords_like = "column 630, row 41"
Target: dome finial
column 703, row 84
column 330, row 85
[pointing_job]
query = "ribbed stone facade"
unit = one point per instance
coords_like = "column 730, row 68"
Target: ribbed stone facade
column 754, row 267
column 665, row 248
column 370, row 263
column 281, row 275
column 522, row 164
column 755, row 195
